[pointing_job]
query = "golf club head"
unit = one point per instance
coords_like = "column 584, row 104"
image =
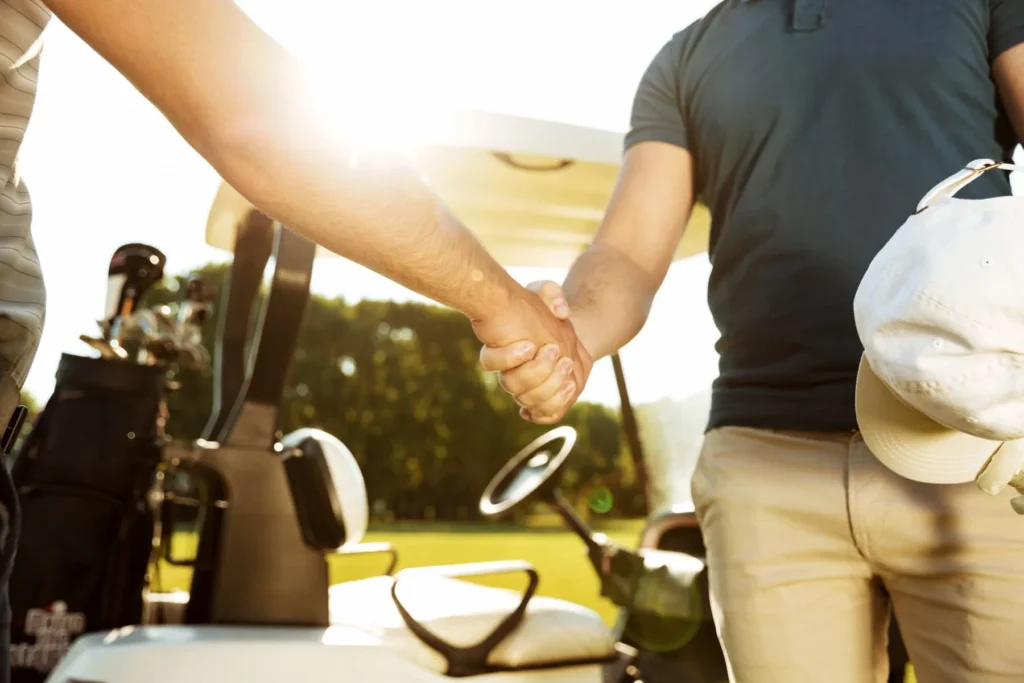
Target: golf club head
column 165, row 320
column 141, row 326
column 192, row 314
column 159, row 351
column 168, row 351
column 134, row 268
column 196, row 289
column 197, row 307
column 101, row 345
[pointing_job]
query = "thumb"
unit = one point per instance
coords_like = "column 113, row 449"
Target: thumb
column 1002, row 468
column 553, row 297
column 1018, row 505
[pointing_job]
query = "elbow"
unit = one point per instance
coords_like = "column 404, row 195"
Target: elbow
column 644, row 298
column 236, row 150
column 641, row 300
column 261, row 160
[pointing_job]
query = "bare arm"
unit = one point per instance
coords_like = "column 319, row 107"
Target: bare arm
column 242, row 102
column 1008, row 71
column 611, row 287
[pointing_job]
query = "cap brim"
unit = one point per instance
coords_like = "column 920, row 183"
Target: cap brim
column 910, row 443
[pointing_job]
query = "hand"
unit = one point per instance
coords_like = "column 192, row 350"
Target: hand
column 541, row 383
column 1005, row 468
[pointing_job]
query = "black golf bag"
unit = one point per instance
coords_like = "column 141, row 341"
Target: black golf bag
column 82, row 476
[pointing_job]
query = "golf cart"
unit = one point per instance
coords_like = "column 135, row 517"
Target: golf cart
column 270, row 508
column 534, row 192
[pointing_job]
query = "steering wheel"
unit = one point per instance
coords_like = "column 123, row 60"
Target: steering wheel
column 527, row 472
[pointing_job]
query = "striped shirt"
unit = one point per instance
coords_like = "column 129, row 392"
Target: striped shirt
column 22, row 293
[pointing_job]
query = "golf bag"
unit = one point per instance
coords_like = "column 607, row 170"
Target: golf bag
column 82, row 476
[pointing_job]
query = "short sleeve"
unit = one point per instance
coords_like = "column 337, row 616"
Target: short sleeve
column 1006, row 26
column 658, row 106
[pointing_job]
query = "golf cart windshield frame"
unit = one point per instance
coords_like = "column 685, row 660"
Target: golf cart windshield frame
column 249, row 378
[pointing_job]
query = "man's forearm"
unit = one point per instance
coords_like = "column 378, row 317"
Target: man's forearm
column 610, row 298
column 381, row 216
column 304, row 167
column 250, row 109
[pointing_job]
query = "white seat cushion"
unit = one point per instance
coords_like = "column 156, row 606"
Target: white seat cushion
column 463, row 613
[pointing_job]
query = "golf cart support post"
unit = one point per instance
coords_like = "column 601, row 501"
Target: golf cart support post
column 252, row 548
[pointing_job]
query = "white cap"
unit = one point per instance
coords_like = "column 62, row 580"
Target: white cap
column 940, row 312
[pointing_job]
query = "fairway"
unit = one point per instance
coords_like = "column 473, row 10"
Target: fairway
column 557, row 554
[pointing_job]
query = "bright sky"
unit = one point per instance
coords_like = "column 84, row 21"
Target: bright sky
column 105, row 168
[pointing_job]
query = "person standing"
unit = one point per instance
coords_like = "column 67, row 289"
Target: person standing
column 811, row 129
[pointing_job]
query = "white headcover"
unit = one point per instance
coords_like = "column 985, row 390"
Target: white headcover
column 940, row 313
column 346, row 478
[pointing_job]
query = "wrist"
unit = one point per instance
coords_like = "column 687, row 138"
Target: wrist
column 494, row 297
column 606, row 320
column 589, row 333
column 498, row 320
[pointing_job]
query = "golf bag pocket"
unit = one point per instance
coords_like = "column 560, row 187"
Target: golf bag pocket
column 82, row 477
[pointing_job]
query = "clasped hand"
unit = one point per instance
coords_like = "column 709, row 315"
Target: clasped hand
column 535, row 351
column 1005, row 469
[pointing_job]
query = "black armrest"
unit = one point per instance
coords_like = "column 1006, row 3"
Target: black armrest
column 371, row 549
column 468, row 661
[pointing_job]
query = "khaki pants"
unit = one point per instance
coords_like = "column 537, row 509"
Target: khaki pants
column 809, row 539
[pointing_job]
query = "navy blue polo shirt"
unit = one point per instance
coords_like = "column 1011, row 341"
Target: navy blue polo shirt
column 816, row 126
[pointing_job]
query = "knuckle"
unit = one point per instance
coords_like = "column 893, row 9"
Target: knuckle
column 546, row 392
column 550, row 408
column 526, row 402
column 538, row 373
column 494, row 359
column 536, row 398
column 510, row 382
column 540, row 370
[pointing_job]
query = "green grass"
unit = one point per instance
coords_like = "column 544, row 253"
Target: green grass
column 557, row 554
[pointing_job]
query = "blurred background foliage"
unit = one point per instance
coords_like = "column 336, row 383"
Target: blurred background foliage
column 400, row 385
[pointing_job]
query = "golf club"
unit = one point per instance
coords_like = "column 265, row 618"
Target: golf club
column 133, row 269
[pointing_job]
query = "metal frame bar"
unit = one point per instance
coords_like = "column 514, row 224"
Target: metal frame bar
column 629, row 423
column 253, row 246
column 254, row 416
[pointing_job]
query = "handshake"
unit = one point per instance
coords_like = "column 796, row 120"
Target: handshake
column 535, row 350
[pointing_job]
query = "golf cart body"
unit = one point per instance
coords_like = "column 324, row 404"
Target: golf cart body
column 260, row 609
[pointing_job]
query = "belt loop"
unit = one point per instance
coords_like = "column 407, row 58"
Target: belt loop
column 808, row 15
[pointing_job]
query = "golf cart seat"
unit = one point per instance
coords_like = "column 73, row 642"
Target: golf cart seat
column 430, row 615
column 459, row 628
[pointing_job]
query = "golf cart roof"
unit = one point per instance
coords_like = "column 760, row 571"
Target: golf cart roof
column 532, row 191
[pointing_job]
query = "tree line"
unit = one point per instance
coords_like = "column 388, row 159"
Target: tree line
column 400, row 385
